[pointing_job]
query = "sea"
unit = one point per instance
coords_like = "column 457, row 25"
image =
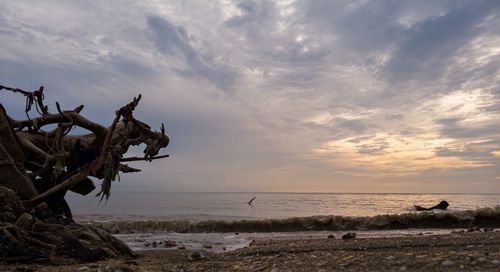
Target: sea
column 224, row 221
column 234, row 205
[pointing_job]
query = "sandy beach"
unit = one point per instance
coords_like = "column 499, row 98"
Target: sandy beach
column 478, row 251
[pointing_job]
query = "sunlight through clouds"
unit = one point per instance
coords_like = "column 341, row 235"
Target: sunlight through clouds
column 263, row 95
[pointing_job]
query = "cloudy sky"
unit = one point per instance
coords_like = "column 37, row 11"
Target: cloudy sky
column 319, row 95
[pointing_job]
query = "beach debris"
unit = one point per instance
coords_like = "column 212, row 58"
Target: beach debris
column 40, row 161
column 198, row 255
column 251, row 200
column 443, row 205
column 169, row 243
column 349, row 235
column 45, row 164
column 331, row 236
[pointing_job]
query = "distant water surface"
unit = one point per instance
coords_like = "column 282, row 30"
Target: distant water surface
column 204, row 206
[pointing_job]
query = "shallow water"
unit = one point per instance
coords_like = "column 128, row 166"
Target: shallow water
column 231, row 206
column 224, row 242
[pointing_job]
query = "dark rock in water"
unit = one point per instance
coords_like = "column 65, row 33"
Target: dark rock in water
column 208, row 246
column 198, row 255
column 488, row 229
column 154, row 244
column 349, row 235
column 443, row 205
column 331, row 236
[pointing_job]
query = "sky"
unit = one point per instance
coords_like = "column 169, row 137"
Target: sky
column 283, row 96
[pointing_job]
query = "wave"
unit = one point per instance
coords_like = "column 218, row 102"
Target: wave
column 482, row 217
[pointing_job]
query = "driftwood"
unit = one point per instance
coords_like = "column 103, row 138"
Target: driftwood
column 40, row 160
column 443, row 205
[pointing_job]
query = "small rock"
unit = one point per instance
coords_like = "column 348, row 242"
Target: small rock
column 117, row 269
column 481, row 260
column 208, row 246
column 331, row 236
column 402, row 268
column 236, row 233
column 420, row 233
column 198, row 255
column 154, row 244
column 349, row 235
column 181, row 247
column 447, row 263
column 390, row 258
column 488, row 229
column 496, row 261
column 474, row 229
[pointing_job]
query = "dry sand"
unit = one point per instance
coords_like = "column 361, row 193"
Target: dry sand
column 451, row 252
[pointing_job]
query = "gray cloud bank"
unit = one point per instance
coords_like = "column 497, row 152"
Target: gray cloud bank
column 279, row 95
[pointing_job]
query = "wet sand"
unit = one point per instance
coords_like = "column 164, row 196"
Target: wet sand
column 478, row 251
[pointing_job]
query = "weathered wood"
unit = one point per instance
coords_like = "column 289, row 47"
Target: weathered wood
column 37, row 225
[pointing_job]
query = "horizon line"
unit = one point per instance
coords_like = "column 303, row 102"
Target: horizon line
column 285, row 192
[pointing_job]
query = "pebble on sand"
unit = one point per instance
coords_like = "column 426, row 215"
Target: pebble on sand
column 198, row 255
column 447, row 263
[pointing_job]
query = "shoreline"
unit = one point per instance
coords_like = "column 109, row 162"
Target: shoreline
column 478, row 251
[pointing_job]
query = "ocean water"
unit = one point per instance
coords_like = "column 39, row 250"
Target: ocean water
column 144, row 221
column 234, row 206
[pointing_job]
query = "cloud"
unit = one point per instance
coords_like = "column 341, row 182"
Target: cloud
column 173, row 40
column 426, row 47
column 262, row 95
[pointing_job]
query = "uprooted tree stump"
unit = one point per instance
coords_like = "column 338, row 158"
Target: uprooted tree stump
column 38, row 167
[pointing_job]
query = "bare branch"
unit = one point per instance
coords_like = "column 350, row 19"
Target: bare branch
column 130, row 159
